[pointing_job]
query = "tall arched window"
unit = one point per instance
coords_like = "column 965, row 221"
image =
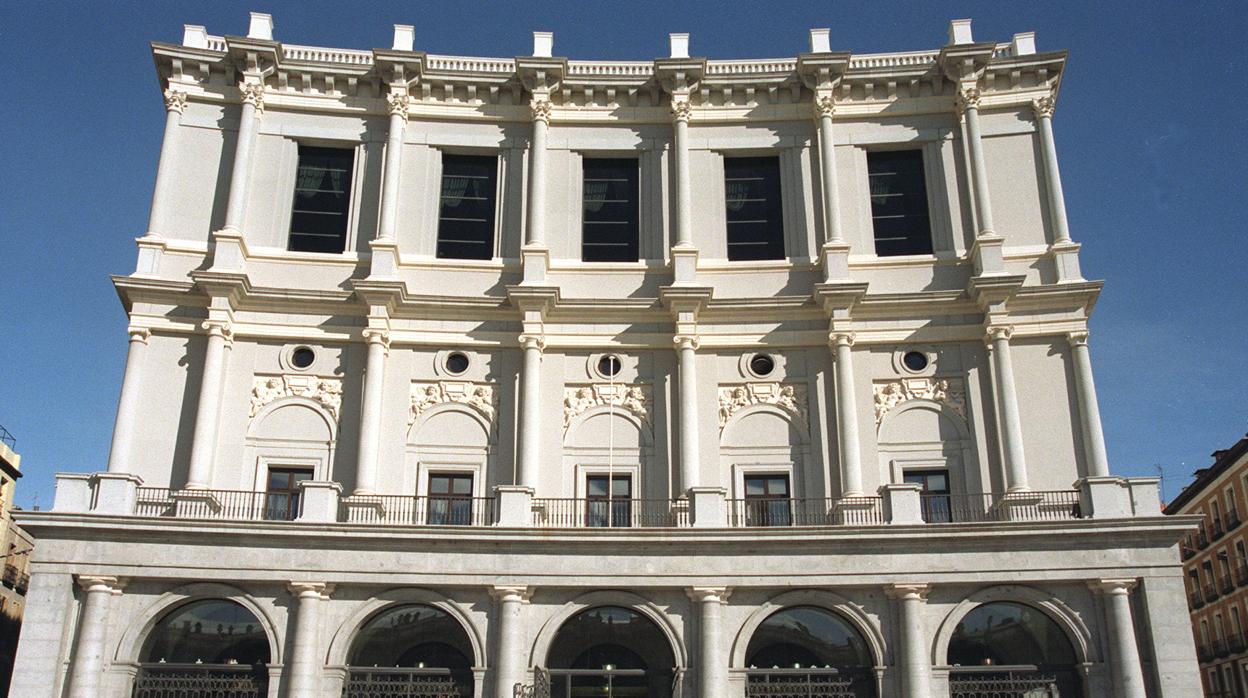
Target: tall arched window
column 410, row 650
column 805, row 650
column 610, row 651
column 1006, row 647
column 212, row 644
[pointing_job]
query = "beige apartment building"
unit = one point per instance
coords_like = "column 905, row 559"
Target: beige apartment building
column 15, row 545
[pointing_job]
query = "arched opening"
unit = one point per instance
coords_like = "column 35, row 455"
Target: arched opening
column 1011, row 649
column 808, row 651
column 203, row 646
column 610, row 651
column 411, row 650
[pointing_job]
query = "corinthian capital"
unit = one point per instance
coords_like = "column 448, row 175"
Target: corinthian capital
column 541, row 110
column 175, row 101
column 682, row 109
column 824, row 106
column 253, row 94
column 377, row 336
column 1044, row 107
column 996, row 332
column 398, row 104
column 968, row 98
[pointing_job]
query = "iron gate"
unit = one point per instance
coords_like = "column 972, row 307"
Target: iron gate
column 799, row 683
column 201, row 681
column 1004, row 684
column 376, row 682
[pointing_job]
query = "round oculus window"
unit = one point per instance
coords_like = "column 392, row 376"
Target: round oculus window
column 457, row 362
column 914, row 360
column 302, row 357
column 762, row 365
column 609, row 365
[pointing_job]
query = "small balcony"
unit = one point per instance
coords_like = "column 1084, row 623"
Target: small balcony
column 1197, row 601
column 1054, row 505
column 1217, row 529
column 1228, row 584
column 1185, row 552
column 1221, row 648
column 1237, row 643
column 1232, row 520
column 1202, row 538
column 23, row 584
column 1241, row 573
column 1211, row 593
column 11, row 576
column 1204, row 654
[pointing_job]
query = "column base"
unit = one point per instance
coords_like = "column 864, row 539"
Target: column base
column 384, row 264
column 988, row 253
column 834, row 258
column 230, row 253
column 115, row 493
column 535, row 262
column 684, row 265
column 1066, row 262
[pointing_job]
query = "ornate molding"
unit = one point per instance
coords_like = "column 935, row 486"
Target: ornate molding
column 790, row 397
column 634, row 398
column 175, row 100
column 996, row 332
column 253, row 94
column 709, row 594
column 315, row 590
column 429, row 394
column 1044, row 107
column 686, row 341
column 824, row 106
column 532, row 341
column 139, row 334
column 541, row 109
column 682, row 110
column 398, row 104
column 376, row 336
column 1078, row 338
column 220, row 328
column 839, row 338
column 889, row 394
column 267, row 389
column 968, row 98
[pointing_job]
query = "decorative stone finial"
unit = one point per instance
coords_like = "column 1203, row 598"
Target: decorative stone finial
column 820, row 40
column 404, row 37
column 960, row 31
column 194, row 36
column 261, row 26
column 678, row 45
column 543, row 44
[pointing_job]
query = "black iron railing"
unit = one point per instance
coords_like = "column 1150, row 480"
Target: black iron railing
column 1202, row 538
column 407, row 510
column 803, row 683
column 1220, row 648
column 23, row 584
column 1217, row 528
column 201, row 680
column 780, row 511
column 1197, row 600
column 1053, row 505
column 10, row 575
column 374, row 682
column 1232, row 519
column 1002, row 681
column 617, row 512
column 236, row 505
column 1228, row 584
column 1210, row 592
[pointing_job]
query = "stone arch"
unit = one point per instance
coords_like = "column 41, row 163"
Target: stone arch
column 643, row 436
column 651, row 611
column 1077, row 632
column 255, row 427
column 826, row 600
column 132, row 639
column 450, row 410
column 945, row 413
column 344, row 636
column 796, row 427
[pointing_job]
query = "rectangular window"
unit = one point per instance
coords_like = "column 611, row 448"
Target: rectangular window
column 899, row 202
column 937, row 505
column 755, row 219
column 450, row 500
column 767, row 500
column 609, row 211
column 466, row 210
column 608, row 506
column 318, row 221
column 281, row 499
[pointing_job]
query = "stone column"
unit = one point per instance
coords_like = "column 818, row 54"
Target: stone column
column 1124, row 653
column 127, row 406
column 530, row 422
column 681, row 111
column 1089, row 411
column 824, row 108
column 712, row 655
column 86, row 668
column 175, row 105
column 847, row 414
column 968, row 103
column 394, row 164
column 687, row 389
column 1007, row 409
column 208, row 412
column 535, row 235
column 509, row 667
column 236, row 204
column 370, row 411
column 306, row 666
column 1043, row 109
column 916, row 671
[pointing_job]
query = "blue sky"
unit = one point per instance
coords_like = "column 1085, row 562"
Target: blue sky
column 1151, row 129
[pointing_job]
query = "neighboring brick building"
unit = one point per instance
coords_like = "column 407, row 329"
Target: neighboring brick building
column 15, row 546
column 1215, row 559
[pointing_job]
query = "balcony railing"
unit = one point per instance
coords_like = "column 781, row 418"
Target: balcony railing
column 1211, row 593
column 1241, row 573
column 237, row 505
column 1237, row 643
column 1197, row 600
column 1202, row 538
column 1204, row 654
column 1220, row 648
column 1217, row 529
column 1232, row 520
column 1021, row 680
column 1185, row 552
column 609, row 513
column 767, row 512
column 1055, row 505
column 224, row 680
column 405, row 510
column 23, row 584
column 1228, row 584
column 824, row 683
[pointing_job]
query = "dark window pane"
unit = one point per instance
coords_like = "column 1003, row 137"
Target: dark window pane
column 755, row 221
column 318, row 221
column 281, row 501
column 212, row 631
column 899, row 203
column 609, row 218
column 466, row 211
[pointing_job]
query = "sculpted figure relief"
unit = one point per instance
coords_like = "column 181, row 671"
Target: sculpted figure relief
column 266, row 389
column 479, row 396
column 948, row 391
column 632, row 398
column 789, row 397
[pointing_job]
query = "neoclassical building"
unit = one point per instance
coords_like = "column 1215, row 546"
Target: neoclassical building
column 547, row 377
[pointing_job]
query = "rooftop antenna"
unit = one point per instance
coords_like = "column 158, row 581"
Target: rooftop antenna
column 1161, row 477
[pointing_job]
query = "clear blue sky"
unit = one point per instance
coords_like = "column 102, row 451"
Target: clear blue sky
column 1152, row 131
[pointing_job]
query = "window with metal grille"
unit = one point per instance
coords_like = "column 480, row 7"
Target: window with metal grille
column 899, row 203
column 466, row 211
column 319, row 216
column 755, row 218
column 609, row 210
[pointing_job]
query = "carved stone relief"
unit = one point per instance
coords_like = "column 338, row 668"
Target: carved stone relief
column 790, row 397
column 947, row 391
column 266, row 389
column 577, row 399
column 480, row 396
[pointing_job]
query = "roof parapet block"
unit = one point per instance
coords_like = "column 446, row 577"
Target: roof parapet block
column 1024, row 44
column 820, row 40
column 261, row 26
column 543, row 44
column 678, row 45
column 194, row 36
column 404, row 37
column 960, row 31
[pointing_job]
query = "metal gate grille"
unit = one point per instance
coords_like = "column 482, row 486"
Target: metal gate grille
column 201, row 681
column 1006, row 685
column 540, row 688
column 402, row 683
column 782, row 684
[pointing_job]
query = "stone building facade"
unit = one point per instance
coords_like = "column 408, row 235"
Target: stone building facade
column 1215, row 559
column 538, row 376
column 16, row 546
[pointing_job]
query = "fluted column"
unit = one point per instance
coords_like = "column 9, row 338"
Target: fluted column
column 86, row 668
column 175, row 105
column 681, row 111
column 1089, row 411
column 824, row 109
column 687, row 389
column 1043, row 109
column 127, row 406
column 509, row 667
column 208, row 412
column 968, row 103
column 1124, row 652
column 847, row 414
column 529, row 465
column 916, row 670
column 536, row 233
column 236, row 204
column 1007, row 409
column 370, row 411
column 306, row 666
column 394, row 165
column 712, row 655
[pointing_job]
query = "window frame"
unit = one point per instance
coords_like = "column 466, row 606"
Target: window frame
column 781, row 231
column 637, row 208
column 292, row 493
column 924, row 180
column 453, row 515
column 495, row 208
column 769, row 515
column 351, row 214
